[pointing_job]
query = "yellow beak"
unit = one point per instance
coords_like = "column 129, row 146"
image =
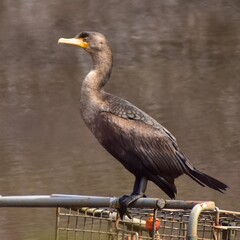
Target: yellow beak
column 74, row 41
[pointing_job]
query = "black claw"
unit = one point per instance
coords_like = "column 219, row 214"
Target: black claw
column 124, row 202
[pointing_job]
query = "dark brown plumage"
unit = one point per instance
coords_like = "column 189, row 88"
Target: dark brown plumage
column 140, row 143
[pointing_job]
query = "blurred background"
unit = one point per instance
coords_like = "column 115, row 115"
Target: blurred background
column 177, row 60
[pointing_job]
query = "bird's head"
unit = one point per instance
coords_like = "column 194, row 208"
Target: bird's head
column 89, row 41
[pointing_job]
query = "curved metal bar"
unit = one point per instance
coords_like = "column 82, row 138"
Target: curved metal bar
column 193, row 219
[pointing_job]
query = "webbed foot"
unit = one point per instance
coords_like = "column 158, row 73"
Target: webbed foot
column 124, row 203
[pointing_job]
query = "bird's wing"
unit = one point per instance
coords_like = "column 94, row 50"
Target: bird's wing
column 139, row 146
column 124, row 109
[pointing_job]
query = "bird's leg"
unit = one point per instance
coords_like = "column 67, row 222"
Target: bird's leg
column 139, row 188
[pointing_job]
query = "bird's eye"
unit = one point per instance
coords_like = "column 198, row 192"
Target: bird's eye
column 85, row 39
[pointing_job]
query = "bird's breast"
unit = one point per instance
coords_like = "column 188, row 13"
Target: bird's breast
column 91, row 105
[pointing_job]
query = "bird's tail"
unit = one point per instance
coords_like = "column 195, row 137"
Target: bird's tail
column 201, row 178
column 206, row 180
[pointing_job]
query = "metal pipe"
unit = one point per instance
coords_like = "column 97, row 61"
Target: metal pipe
column 61, row 200
column 193, row 219
column 65, row 200
column 180, row 204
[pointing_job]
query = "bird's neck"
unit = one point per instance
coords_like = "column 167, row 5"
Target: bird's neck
column 100, row 72
column 92, row 92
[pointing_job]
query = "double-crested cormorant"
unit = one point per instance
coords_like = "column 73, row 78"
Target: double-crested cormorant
column 144, row 147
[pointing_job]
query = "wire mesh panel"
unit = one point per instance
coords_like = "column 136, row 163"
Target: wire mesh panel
column 89, row 223
column 227, row 225
column 92, row 224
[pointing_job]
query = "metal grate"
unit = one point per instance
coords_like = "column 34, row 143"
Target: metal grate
column 92, row 223
column 227, row 225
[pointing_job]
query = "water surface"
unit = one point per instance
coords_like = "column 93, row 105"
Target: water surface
column 177, row 61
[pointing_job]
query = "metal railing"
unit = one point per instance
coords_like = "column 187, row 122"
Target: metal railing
column 91, row 217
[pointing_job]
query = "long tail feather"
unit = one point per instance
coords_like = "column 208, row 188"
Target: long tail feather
column 206, row 180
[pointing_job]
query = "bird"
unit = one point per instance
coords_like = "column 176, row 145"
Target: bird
column 141, row 144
